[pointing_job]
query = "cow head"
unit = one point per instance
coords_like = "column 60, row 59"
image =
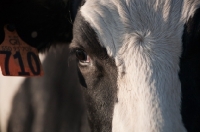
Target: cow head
column 135, row 57
column 129, row 55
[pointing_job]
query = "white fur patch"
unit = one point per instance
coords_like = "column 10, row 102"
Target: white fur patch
column 144, row 37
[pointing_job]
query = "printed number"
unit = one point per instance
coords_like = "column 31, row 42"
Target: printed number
column 37, row 71
column 17, row 55
column 8, row 54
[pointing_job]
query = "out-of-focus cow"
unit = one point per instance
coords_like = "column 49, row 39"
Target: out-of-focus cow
column 52, row 103
column 49, row 103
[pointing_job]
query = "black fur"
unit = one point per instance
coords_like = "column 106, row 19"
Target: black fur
column 101, row 78
column 190, row 74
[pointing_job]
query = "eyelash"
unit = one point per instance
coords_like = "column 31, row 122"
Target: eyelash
column 81, row 56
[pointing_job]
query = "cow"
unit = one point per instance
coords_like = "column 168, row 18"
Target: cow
column 139, row 63
column 52, row 103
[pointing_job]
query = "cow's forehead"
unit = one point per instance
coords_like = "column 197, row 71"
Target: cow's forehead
column 117, row 22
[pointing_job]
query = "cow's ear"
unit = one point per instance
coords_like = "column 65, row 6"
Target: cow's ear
column 40, row 23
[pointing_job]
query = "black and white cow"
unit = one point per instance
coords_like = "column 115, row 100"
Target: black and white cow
column 139, row 62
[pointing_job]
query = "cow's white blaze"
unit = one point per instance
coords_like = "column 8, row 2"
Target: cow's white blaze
column 144, row 37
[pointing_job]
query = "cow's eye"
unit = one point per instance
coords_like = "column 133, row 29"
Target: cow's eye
column 82, row 56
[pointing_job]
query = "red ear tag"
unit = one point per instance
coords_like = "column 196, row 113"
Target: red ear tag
column 18, row 58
